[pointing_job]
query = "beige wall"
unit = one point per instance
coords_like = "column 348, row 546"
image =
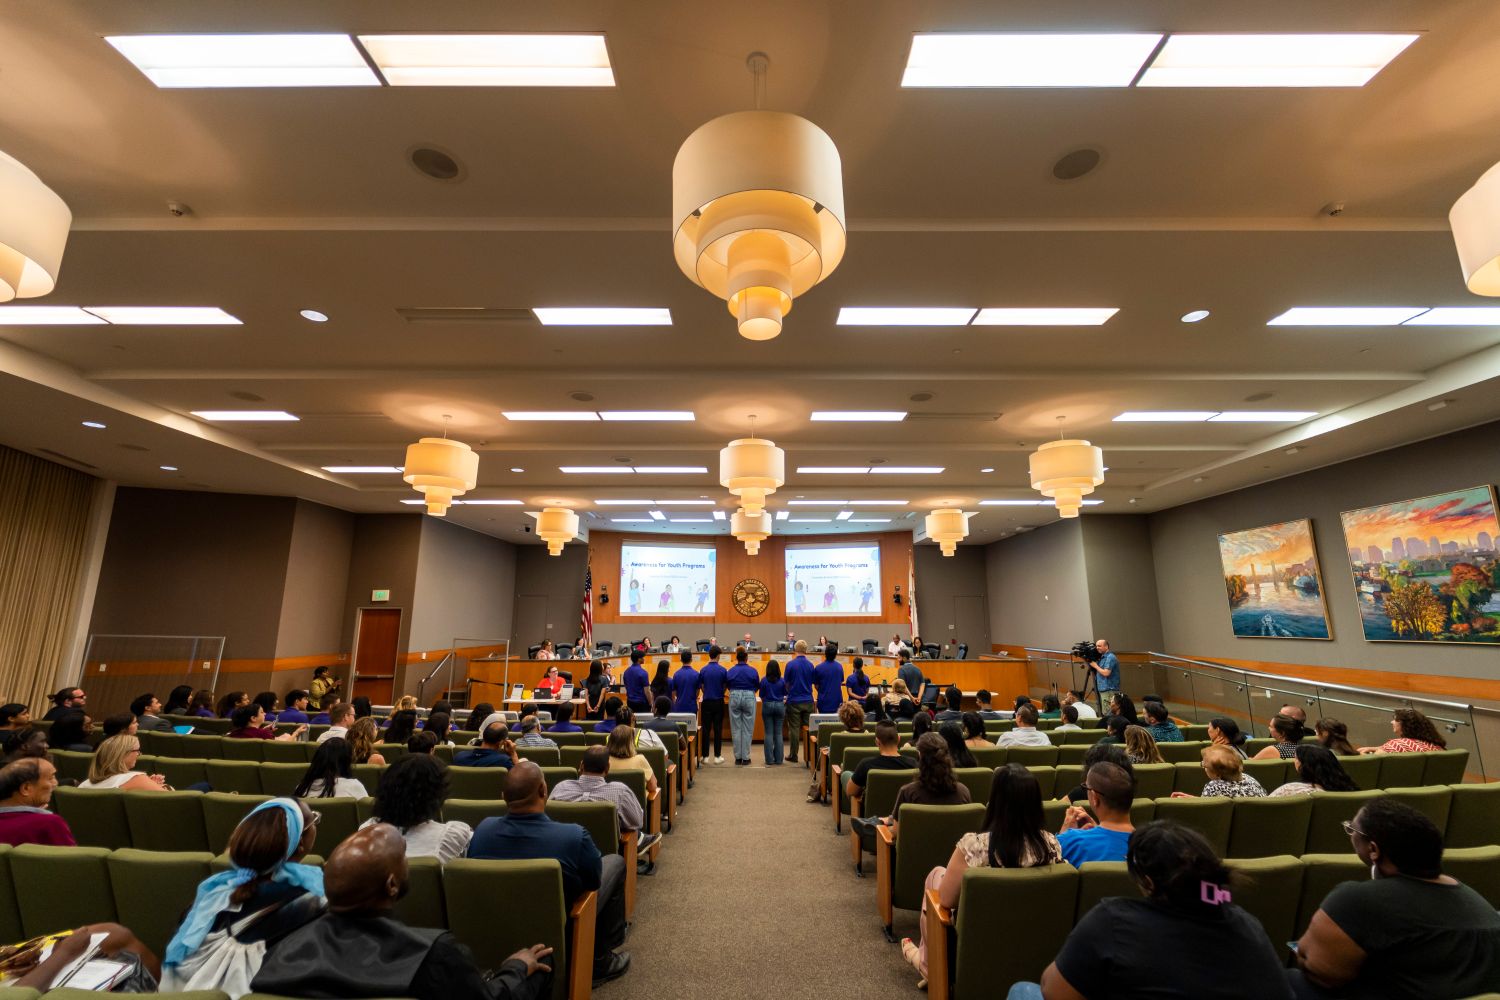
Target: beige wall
column 1038, row 587
column 465, row 586
column 1120, row 566
column 943, row 582
column 317, row 573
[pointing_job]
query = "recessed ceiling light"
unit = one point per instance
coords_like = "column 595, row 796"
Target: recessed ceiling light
column 1284, row 60
column 816, row 503
column 47, row 316
column 245, row 416
column 1457, row 316
column 589, row 316
column 209, row 60
column 1044, row 317
column 691, row 520
column 719, row 515
column 854, row 416
column 657, row 515
column 359, row 470
column 1292, row 451
column 1196, row 316
column 810, row 520
column 516, row 468
column 314, row 315
column 905, row 315
column 630, row 520
column 878, row 503
column 907, row 470
column 1346, row 316
column 869, row 520
column 832, row 470
column 843, row 515
column 624, row 503
column 1262, row 416
column 684, row 503
column 671, row 470
column 167, row 468
column 1441, row 404
column 1199, row 479
column 549, row 415
column 623, row 415
column 164, row 315
column 986, row 470
column 601, row 470
column 503, row 60
column 94, row 425
column 1029, row 59
column 1165, row 416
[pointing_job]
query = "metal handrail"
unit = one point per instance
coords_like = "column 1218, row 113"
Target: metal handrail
column 422, row 684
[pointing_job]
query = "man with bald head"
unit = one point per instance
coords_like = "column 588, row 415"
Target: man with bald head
column 527, row 833
column 357, row 949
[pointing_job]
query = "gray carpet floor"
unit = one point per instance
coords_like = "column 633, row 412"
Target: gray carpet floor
column 755, row 896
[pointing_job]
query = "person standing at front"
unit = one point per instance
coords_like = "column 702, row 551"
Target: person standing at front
column 773, row 714
column 828, row 678
column 714, row 680
column 799, row 695
column 744, row 681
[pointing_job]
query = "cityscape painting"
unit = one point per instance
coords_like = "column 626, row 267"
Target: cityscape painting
column 1272, row 580
column 1426, row 570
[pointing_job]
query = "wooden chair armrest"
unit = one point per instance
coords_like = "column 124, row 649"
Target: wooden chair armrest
column 628, row 841
column 653, row 819
column 937, row 926
column 836, row 797
column 885, row 871
column 581, row 946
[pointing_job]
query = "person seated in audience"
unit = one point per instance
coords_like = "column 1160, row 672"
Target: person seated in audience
column 623, row 756
column 13, row 718
column 71, row 732
column 1407, row 933
column 238, row 914
column 27, row 744
column 362, row 737
column 898, row 701
column 1287, row 733
column 611, row 709
column 852, row 715
column 1226, row 777
column 592, row 785
column 1295, row 712
column 1334, row 735
column 364, row 878
column 953, row 735
column 1114, row 730
column 644, row 737
column 249, row 722
column 874, row 709
column 935, row 784
column 202, row 704
column 177, row 700
column 659, row 723
column 118, row 943
column 267, row 701
column 362, row 707
column 25, row 792
column 531, row 735
column 1012, row 837
column 1021, row 699
column 953, row 706
column 1226, row 733
column 496, row 750
column 527, row 832
column 887, row 758
column 1076, row 699
column 68, row 697
column 230, row 702
column 1120, row 704
column 1162, row 728
column 984, row 709
column 325, row 705
column 545, row 652
column 1185, row 940
column 974, row 735
column 1415, row 733
column 564, row 716
column 330, row 775
column 1111, row 752
column 1025, row 734
column 425, row 742
column 120, row 723
column 1083, row 838
column 147, row 709
column 477, row 715
column 1141, row 747
column 1051, row 707
column 439, row 724
column 1318, row 770
column 1069, row 716
column 403, row 724
column 340, row 718
column 921, row 724
column 112, row 767
column 410, row 798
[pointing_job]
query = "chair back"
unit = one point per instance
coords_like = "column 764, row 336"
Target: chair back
column 1029, row 909
column 165, row 821
column 926, row 839
column 95, row 815
column 1325, row 830
column 1445, row 767
column 1473, row 815
column 152, row 890
column 1270, row 891
column 494, row 933
column 1210, row 817
column 476, row 782
column 1266, row 827
column 339, row 819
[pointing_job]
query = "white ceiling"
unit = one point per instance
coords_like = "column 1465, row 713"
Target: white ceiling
column 304, row 199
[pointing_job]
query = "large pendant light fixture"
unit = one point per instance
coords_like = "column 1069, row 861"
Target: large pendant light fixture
column 34, row 225
column 1067, row 470
column 758, row 210
column 752, row 468
column 752, row 529
column 441, row 469
column 1475, row 220
column 947, row 526
column 557, row 526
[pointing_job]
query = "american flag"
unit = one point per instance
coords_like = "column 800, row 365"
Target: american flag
column 586, row 616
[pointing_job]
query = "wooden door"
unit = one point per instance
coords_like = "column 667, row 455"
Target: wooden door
column 377, row 642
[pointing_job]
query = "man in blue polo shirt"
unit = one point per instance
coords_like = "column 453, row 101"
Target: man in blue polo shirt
column 1110, row 790
column 715, row 681
column 685, row 685
column 799, row 696
column 828, row 678
column 744, row 681
column 637, row 684
column 296, row 707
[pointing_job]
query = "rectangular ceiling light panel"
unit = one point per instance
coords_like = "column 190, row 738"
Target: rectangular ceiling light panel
column 603, row 316
column 549, row 415
column 1289, row 60
column 629, row 415
column 860, row 416
column 1030, row 59
column 869, row 520
column 47, row 316
column 1261, row 416
column 1044, row 317
column 905, row 315
column 671, row 470
column 1457, row 316
column 164, row 315
column 209, row 60
column 832, row 470
column 1347, row 315
column 360, row 470
column 244, row 416
column 595, row 470
column 906, row 470
column 479, row 60
column 1165, row 416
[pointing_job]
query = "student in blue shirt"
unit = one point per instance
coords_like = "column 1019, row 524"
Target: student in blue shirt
column 684, row 685
column 743, row 682
column 714, row 679
column 296, row 707
column 611, row 706
column 799, row 695
column 858, row 683
column 773, row 714
column 1110, row 791
column 828, row 678
column 637, row 684
column 564, row 723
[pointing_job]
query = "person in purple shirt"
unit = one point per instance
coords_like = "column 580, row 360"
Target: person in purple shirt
column 609, row 722
column 744, row 681
column 296, row 707
column 564, row 723
column 714, row 679
column 799, row 695
column 637, row 684
column 773, row 714
column 828, row 678
column 859, row 682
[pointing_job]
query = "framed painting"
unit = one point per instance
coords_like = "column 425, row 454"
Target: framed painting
column 1273, row 583
column 1426, row 570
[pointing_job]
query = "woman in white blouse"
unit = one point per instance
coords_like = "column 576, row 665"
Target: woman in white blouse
column 1318, row 770
column 410, row 798
column 330, row 775
column 112, row 767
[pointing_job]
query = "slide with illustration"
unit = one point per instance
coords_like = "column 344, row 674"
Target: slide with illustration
column 673, row 580
column 833, row 579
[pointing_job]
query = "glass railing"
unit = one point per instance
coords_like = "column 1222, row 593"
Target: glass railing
column 1201, row 690
column 117, row 668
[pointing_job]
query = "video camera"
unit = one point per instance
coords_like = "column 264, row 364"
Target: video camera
column 1087, row 651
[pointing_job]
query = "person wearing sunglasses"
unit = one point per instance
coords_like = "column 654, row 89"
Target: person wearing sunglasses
column 1410, row 932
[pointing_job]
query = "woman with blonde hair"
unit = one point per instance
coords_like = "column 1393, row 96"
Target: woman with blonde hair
column 1140, row 746
column 624, row 757
column 898, row 701
column 1226, row 776
column 362, row 737
column 112, row 764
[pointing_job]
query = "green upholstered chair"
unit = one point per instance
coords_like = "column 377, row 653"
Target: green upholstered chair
column 1086, row 736
column 281, row 778
column 978, row 781
column 1320, row 873
column 598, row 818
column 823, row 733
column 23, row 992
column 423, row 905
column 241, row 749
column 368, row 775
column 61, row 887
column 471, row 811
column 391, row 751
column 72, row 765
column 1401, row 770
column 1476, row 867
column 637, row 782
column 840, row 777
column 1262, row 828
column 1473, row 815
column 1029, row 909
column 68, row 993
column 1156, row 781
column 157, row 744
column 195, row 746
column 658, row 759
column 1255, row 746
column 1362, row 769
column 10, row 907
column 238, row 776
column 476, row 782
column 1072, row 753
column 181, row 772
column 95, row 815
column 222, row 812
column 339, row 818
column 1053, row 811
column 365, row 808
column 569, row 739
column 545, row 756
column 880, row 791
column 1046, row 779
column 1432, row 800
column 555, row 774
column 1325, row 831
column 927, row 837
column 593, row 739
column 1210, row 817
column 1270, row 889
column 1181, row 753
column 1068, row 777
column 1271, row 774
column 1445, row 767
column 283, row 752
column 572, row 756
column 1099, row 880
column 1142, row 811
column 493, row 932
column 1195, row 733
column 1032, row 756
column 165, row 821
column 152, row 889
column 444, row 753
column 1188, row 777
column 991, row 757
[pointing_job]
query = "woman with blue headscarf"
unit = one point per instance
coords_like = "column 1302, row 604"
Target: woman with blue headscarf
column 239, row 913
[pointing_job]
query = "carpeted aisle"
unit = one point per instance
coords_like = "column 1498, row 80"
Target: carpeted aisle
column 755, row 896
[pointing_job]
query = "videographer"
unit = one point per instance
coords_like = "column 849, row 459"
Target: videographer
column 1106, row 673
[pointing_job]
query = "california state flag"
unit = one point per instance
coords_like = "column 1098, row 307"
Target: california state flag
column 911, row 594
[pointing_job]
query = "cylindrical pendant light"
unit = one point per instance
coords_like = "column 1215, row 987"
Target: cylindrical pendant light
column 557, row 526
column 34, row 225
column 752, row 529
column 947, row 526
column 751, row 469
column 441, row 469
column 1475, row 220
column 1067, row 471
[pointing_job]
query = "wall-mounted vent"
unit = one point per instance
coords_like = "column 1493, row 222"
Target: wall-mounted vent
column 69, row 459
column 465, row 314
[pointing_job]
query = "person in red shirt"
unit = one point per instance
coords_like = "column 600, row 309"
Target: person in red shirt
column 553, row 682
column 250, row 724
column 25, row 789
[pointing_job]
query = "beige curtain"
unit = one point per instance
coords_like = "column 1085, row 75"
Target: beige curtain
column 44, row 530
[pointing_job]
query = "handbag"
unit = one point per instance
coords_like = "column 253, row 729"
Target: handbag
column 223, row 961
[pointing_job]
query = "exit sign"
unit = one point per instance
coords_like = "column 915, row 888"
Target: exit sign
column 380, row 595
